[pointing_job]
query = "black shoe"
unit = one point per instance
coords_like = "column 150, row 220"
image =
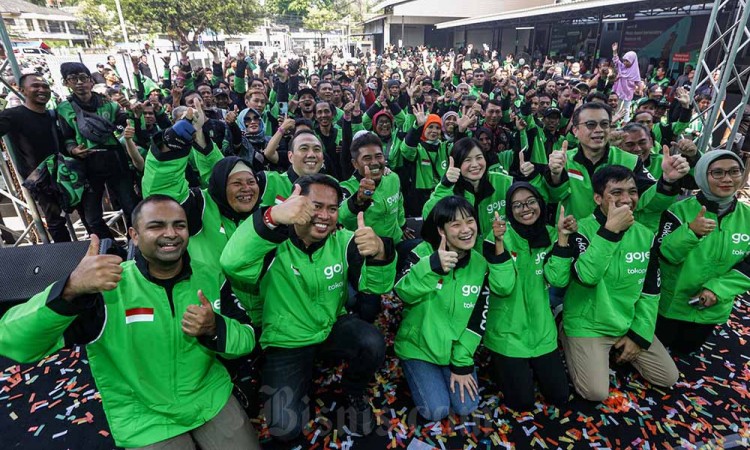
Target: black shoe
column 359, row 414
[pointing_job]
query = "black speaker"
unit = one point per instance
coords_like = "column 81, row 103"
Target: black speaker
column 26, row 271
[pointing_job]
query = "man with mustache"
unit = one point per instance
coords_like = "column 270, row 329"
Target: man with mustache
column 151, row 334
column 378, row 195
column 302, row 265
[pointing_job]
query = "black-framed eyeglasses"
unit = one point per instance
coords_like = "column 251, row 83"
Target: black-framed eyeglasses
column 592, row 124
column 77, row 78
column 519, row 206
column 719, row 174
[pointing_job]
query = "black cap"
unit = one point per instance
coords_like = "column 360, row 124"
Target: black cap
column 220, row 91
column 550, row 111
column 71, row 68
column 304, row 91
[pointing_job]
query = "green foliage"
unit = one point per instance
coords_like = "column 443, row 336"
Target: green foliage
column 182, row 17
column 314, row 14
column 99, row 17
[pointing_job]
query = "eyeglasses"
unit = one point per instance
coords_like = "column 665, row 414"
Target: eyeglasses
column 592, row 124
column 519, row 206
column 719, row 174
column 77, row 78
column 252, row 119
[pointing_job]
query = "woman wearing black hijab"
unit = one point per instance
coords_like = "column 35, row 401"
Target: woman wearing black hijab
column 521, row 331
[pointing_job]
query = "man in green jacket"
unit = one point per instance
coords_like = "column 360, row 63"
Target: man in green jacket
column 302, row 265
column 378, row 195
column 613, row 296
column 151, row 334
column 571, row 171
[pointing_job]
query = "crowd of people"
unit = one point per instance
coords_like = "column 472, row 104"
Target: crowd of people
column 530, row 207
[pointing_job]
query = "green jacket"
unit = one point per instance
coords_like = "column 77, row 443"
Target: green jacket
column 385, row 213
column 155, row 381
column 520, row 324
column 576, row 192
column 719, row 261
column 211, row 223
column 104, row 108
column 304, row 289
column 614, row 287
column 430, row 160
column 443, row 319
column 489, row 198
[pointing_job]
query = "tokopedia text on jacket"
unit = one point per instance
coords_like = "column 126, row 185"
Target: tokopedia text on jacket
column 444, row 313
column 304, row 288
column 614, row 285
column 155, row 381
column 719, row 261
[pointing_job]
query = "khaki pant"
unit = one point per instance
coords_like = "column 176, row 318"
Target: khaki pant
column 229, row 430
column 588, row 364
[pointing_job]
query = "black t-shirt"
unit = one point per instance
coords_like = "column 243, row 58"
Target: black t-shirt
column 30, row 134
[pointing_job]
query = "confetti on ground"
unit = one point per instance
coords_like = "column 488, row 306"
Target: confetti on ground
column 708, row 409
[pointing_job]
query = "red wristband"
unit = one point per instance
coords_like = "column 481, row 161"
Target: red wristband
column 268, row 219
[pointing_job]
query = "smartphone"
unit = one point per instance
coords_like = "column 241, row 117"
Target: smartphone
column 283, row 108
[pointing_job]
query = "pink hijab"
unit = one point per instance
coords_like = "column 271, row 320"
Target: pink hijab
column 628, row 78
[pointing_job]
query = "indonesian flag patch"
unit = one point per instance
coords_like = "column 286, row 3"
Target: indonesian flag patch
column 577, row 174
column 426, row 162
column 279, row 200
column 439, row 284
column 139, row 315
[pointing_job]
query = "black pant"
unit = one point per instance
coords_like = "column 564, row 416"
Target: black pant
column 288, row 372
column 120, row 186
column 515, row 376
column 680, row 336
column 56, row 224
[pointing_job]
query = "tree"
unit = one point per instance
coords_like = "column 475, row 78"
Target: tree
column 186, row 18
column 313, row 14
column 100, row 20
column 322, row 18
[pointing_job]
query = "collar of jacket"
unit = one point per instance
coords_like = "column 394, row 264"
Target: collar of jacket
column 291, row 174
column 92, row 105
column 485, row 188
column 581, row 158
column 142, row 265
column 297, row 242
column 713, row 206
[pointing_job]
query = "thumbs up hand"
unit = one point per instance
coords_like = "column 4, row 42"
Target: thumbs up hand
column 368, row 243
column 199, row 320
column 448, row 258
column 673, row 167
column 619, row 218
column 453, row 173
column 295, row 210
column 558, row 159
column 366, row 188
column 702, row 226
column 231, row 116
column 95, row 273
column 526, row 167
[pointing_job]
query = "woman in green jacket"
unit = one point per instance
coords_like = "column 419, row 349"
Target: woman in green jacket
column 705, row 254
column 467, row 177
column 521, row 331
column 444, row 295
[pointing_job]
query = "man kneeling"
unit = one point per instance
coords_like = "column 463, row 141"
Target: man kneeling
column 613, row 296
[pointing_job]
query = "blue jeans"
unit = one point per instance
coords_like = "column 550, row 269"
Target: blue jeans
column 430, row 388
column 556, row 296
column 288, row 372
